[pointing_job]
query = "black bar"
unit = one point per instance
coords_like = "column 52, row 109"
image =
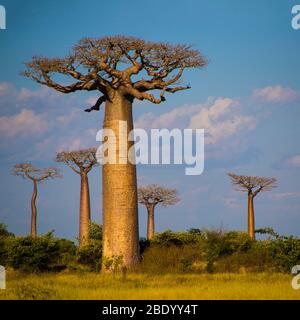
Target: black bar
column 142, row 309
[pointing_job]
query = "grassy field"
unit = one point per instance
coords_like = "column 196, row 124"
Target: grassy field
column 143, row 286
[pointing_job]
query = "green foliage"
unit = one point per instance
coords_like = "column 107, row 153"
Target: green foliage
column 44, row 253
column 144, row 244
column 218, row 243
column 170, row 259
column 113, row 263
column 90, row 255
column 219, row 251
column 4, row 232
column 267, row 230
column 192, row 251
column 169, row 238
column 285, row 252
column 95, row 231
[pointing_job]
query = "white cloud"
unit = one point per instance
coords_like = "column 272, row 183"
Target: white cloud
column 25, row 122
column 218, row 116
column 67, row 118
column 43, row 92
column 285, row 195
column 294, row 161
column 220, row 120
column 4, row 88
column 232, row 203
column 276, row 94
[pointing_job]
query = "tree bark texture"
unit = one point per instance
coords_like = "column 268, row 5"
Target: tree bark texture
column 251, row 216
column 33, row 232
column 150, row 224
column 120, row 213
column 85, row 212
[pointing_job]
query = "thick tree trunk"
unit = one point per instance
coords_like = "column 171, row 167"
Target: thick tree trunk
column 33, row 232
column 150, row 224
column 120, row 214
column 250, row 216
column 85, row 212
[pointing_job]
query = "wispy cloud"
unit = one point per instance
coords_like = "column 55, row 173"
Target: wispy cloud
column 293, row 161
column 232, row 203
column 276, row 94
column 24, row 122
column 220, row 117
column 4, row 88
column 284, row 195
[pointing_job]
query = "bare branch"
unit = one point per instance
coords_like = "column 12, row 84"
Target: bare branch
column 154, row 195
column 28, row 171
column 107, row 64
column 252, row 184
column 96, row 106
column 79, row 161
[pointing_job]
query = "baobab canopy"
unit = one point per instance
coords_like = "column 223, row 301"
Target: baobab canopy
column 109, row 64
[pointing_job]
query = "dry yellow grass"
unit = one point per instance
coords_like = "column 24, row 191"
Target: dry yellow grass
column 146, row 286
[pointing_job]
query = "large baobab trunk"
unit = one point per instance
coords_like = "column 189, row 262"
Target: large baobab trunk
column 33, row 210
column 250, row 216
column 120, row 215
column 85, row 213
column 150, row 224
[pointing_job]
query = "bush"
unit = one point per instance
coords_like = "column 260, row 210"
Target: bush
column 95, row 231
column 285, row 252
column 170, row 259
column 91, row 255
column 170, row 238
column 44, row 253
column 4, row 233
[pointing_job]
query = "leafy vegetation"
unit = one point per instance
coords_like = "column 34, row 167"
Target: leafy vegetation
column 192, row 251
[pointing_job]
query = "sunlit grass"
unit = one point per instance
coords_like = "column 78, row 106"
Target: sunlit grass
column 146, row 286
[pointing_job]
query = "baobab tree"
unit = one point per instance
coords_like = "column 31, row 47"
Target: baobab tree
column 121, row 69
column 81, row 162
column 36, row 175
column 253, row 186
column 153, row 195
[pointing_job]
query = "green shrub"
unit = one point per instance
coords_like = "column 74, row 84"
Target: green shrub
column 44, row 253
column 91, row 255
column 95, row 231
column 170, row 238
column 4, row 232
column 170, row 259
column 285, row 252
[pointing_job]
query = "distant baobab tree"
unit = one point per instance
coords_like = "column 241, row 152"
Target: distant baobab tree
column 253, row 186
column 153, row 195
column 110, row 66
column 81, row 162
column 36, row 175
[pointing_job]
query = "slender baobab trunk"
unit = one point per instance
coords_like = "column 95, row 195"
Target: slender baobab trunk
column 250, row 216
column 85, row 212
column 150, row 224
column 120, row 215
column 33, row 210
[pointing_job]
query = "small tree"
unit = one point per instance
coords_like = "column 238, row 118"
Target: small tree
column 36, row 175
column 153, row 195
column 81, row 162
column 253, row 186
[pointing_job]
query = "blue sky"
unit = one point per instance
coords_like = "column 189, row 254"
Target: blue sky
column 253, row 76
